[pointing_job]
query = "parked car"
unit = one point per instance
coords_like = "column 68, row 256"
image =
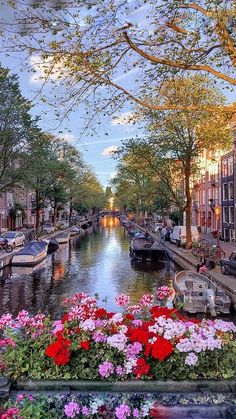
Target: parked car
column 228, row 266
column 61, row 225
column 48, row 228
column 14, row 238
column 178, row 235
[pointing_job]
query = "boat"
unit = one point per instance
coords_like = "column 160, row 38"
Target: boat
column 63, row 237
column 199, row 293
column 143, row 249
column 33, row 253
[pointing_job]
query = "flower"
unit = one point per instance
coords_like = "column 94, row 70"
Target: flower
column 122, row 411
column 191, row 359
column 122, row 300
column 117, row 341
column 141, row 368
column 161, row 348
column 85, row 344
column 59, row 350
column 106, row 369
column 163, row 292
column 146, row 300
column 71, row 409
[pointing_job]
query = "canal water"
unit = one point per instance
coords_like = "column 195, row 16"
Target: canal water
column 96, row 263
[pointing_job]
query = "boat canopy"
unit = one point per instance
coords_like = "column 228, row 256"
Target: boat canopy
column 33, row 248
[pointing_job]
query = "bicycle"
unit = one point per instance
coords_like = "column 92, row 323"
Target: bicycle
column 5, row 246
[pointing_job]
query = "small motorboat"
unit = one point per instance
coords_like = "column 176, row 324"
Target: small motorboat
column 63, row 237
column 200, row 294
column 31, row 254
column 143, row 249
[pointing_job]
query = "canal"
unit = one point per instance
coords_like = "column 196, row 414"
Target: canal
column 98, row 263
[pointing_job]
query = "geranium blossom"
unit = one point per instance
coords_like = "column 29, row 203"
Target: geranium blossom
column 122, row 300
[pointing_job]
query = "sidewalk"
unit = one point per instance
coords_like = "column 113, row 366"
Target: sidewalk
column 227, row 247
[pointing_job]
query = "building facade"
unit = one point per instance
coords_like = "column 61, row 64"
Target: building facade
column 227, row 197
column 207, row 191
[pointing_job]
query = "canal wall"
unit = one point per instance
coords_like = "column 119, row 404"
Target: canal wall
column 186, row 260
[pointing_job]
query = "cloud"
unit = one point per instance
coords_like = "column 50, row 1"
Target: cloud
column 109, row 150
column 110, row 140
column 124, row 75
column 70, row 138
column 123, row 119
column 46, row 68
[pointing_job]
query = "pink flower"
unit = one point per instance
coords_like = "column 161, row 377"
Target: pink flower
column 106, row 369
column 146, row 300
column 58, row 326
column 122, row 300
column 71, row 409
column 163, row 292
column 122, row 411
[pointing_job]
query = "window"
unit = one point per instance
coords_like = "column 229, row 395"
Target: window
column 231, row 190
column 225, row 214
column 224, row 167
column 203, row 197
column 225, row 191
column 231, row 215
column 230, row 166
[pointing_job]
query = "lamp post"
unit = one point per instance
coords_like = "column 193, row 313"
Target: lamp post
column 218, row 249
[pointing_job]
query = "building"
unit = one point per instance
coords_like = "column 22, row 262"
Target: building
column 207, row 191
column 227, row 197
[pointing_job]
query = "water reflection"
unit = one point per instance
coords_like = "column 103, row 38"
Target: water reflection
column 96, row 263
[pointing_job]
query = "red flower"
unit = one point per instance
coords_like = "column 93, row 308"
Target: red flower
column 161, row 348
column 59, row 350
column 139, row 335
column 141, row 368
column 85, row 344
column 53, row 349
column 101, row 312
column 129, row 316
column 62, row 358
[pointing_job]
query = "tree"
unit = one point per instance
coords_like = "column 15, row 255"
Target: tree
column 16, row 130
column 173, row 38
column 41, row 172
column 176, row 139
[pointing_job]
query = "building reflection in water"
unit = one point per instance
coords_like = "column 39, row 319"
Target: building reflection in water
column 98, row 262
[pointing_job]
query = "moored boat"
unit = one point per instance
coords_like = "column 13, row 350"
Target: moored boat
column 200, row 294
column 33, row 253
column 63, row 237
column 142, row 248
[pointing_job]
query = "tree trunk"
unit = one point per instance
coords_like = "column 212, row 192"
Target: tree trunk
column 71, row 209
column 37, row 213
column 37, row 220
column 188, row 207
column 55, row 214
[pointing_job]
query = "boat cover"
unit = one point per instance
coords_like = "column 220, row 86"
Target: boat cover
column 33, row 248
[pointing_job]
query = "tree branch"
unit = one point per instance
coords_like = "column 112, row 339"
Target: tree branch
column 176, row 64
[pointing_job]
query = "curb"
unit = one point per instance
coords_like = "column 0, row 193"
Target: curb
column 132, row 386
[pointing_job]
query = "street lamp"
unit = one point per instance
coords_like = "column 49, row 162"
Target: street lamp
column 218, row 249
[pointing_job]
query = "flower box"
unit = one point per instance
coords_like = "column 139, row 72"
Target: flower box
column 145, row 341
